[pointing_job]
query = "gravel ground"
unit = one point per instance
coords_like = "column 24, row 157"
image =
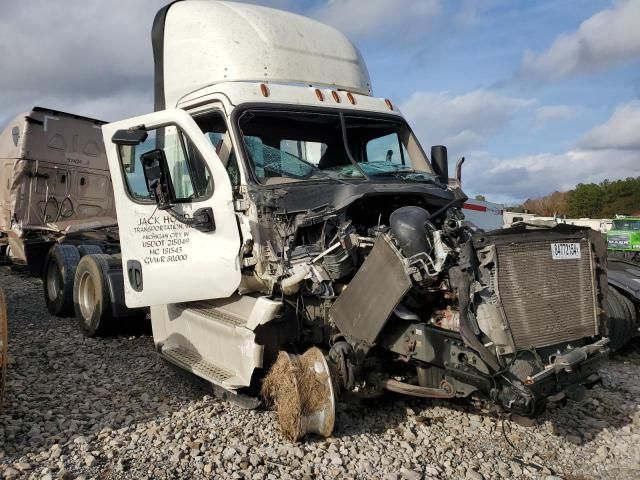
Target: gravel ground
column 110, row 408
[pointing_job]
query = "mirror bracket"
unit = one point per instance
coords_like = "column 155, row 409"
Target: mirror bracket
column 157, row 177
column 130, row 136
column 203, row 220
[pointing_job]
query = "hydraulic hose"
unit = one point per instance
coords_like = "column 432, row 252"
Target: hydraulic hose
column 463, row 284
column 446, row 390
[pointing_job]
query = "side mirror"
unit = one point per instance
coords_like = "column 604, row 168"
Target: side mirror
column 157, row 177
column 130, row 137
column 440, row 163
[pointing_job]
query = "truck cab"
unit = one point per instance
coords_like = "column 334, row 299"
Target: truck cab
column 624, row 237
column 272, row 203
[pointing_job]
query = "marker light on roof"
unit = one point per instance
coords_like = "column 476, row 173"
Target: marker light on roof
column 319, row 95
column 335, row 96
column 351, row 98
column 389, row 104
column 264, row 89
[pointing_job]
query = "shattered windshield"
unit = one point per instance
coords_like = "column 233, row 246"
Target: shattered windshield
column 298, row 146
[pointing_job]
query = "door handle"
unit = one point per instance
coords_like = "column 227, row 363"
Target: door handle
column 134, row 271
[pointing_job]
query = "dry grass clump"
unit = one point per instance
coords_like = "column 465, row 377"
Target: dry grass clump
column 296, row 390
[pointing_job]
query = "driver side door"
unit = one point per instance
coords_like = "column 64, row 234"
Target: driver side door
column 165, row 259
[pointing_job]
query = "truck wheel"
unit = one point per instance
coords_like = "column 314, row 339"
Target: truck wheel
column 629, row 312
column 5, row 259
column 91, row 298
column 89, row 250
column 57, row 279
column 619, row 326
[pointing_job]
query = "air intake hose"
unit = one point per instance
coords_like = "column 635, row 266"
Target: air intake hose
column 408, row 225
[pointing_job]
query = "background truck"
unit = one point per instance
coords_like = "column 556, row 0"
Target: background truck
column 56, row 205
column 271, row 206
column 623, row 240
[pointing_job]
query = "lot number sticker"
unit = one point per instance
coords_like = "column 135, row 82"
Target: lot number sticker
column 565, row 251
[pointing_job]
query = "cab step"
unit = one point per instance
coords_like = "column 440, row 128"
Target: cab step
column 214, row 339
column 241, row 400
column 211, row 310
column 192, row 362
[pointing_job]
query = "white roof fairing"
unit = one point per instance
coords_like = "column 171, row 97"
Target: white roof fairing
column 207, row 42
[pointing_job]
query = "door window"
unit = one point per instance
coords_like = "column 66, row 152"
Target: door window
column 189, row 173
column 214, row 126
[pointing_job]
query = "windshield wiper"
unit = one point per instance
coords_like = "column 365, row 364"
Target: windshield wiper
column 407, row 174
column 392, row 172
column 327, row 176
column 343, row 125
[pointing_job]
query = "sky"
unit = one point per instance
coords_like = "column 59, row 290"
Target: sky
column 537, row 96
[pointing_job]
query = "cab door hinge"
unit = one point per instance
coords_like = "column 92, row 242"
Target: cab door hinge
column 241, row 204
column 249, row 261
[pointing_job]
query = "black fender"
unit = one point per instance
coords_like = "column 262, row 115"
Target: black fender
column 115, row 287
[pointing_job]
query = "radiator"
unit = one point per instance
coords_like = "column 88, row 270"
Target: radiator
column 547, row 301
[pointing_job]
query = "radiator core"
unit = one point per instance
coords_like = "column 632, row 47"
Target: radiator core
column 547, row 301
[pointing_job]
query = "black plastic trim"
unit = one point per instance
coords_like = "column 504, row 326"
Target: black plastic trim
column 115, row 286
column 157, row 42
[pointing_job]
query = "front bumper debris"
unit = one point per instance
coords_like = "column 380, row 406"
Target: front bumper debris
column 572, row 368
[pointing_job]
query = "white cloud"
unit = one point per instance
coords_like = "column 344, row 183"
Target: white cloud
column 608, row 151
column 472, row 12
column 382, row 20
column 621, row 131
column 530, row 176
column 461, row 121
column 609, row 37
column 552, row 113
column 89, row 58
column 86, row 57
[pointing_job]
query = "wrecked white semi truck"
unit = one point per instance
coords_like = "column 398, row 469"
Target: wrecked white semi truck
column 56, row 206
column 273, row 204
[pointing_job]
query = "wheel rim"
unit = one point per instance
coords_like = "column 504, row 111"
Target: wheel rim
column 86, row 296
column 54, row 281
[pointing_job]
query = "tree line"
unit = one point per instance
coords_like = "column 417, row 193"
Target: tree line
column 593, row 200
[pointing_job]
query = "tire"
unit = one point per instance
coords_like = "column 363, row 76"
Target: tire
column 4, row 257
column 89, row 250
column 630, row 312
column 91, row 299
column 57, row 279
column 620, row 328
column 633, row 257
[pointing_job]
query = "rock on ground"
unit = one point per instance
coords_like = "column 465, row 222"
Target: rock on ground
column 110, row 408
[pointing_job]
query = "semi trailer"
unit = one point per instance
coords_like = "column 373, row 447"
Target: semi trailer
column 483, row 214
column 56, row 206
column 291, row 236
